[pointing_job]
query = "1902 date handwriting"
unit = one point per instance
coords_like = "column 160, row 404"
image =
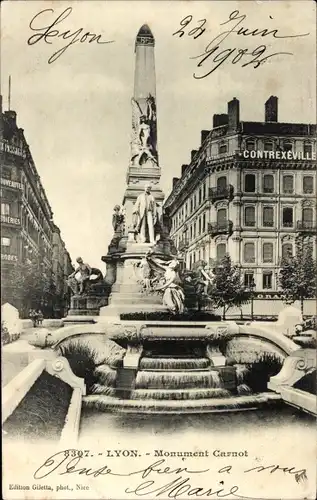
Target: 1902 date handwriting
column 47, row 32
column 215, row 54
column 158, row 477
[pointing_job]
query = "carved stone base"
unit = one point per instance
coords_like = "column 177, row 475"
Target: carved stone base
column 88, row 304
column 128, row 293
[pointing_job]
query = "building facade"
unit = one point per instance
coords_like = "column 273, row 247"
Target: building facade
column 62, row 267
column 27, row 228
column 248, row 191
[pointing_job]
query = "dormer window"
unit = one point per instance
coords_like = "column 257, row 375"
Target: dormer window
column 222, row 148
column 250, row 145
column 308, row 148
column 287, row 146
column 268, row 145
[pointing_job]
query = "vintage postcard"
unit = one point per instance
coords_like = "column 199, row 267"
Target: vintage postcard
column 158, row 249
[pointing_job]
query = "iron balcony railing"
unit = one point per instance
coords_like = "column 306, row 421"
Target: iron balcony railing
column 224, row 193
column 215, row 228
column 183, row 245
column 307, row 226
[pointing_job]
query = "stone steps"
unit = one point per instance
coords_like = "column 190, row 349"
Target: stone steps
column 184, row 379
column 174, row 363
column 179, row 394
column 211, row 405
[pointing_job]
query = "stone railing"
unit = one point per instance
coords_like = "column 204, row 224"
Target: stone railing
column 20, row 385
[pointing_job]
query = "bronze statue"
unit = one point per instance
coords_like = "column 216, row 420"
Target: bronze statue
column 84, row 278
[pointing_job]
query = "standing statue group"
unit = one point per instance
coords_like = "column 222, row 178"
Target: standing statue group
column 162, row 276
column 144, row 127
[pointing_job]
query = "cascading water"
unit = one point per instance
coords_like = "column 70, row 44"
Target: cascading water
column 185, row 371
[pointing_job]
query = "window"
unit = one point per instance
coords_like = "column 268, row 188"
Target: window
column 199, row 226
column 5, row 209
column 267, row 280
column 204, row 191
column 287, row 217
column 308, row 184
column 222, row 148
column 307, row 217
column 249, row 183
column 199, row 199
column 221, row 183
column 268, row 216
column 221, row 251
column 267, row 252
column 221, row 216
column 268, row 145
column 191, row 205
column 288, row 184
column 249, row 280
column 308, row 148
column 191, row 232
column 250, row 144
column 287, row 146
column 5, row 242
column 249, row 252
column 204, row 223
column 268, row 183
column 5, row 173
column 249, row 216
column 287, row 250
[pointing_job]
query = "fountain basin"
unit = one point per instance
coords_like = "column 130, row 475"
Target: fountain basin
column 208, row 405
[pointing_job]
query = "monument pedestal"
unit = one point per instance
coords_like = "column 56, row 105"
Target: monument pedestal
column 84, row 308
column 128, row 292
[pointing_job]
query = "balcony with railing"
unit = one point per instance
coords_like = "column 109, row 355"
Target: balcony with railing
column 306, row 226
column 183, row 245
column 221, row 193
column 215, row 228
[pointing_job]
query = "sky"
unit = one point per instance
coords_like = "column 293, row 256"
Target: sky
column 76, row 111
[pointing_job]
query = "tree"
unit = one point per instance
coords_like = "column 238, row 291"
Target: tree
column 29, row 286
column 226, row 289
column 297, row 276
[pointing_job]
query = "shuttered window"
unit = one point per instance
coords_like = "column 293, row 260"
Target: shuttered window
column 267, row 252
column 249, row 252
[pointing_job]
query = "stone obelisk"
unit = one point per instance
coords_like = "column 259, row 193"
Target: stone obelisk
column 144, row 160
column 127, row 250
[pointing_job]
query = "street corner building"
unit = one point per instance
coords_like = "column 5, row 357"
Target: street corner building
column 248, row 191
column 28, row 233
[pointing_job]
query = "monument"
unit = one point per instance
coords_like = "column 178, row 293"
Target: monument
column 139, row 223
column 88, row 292
column 155, row 357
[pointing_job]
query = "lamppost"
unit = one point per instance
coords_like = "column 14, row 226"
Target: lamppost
column 252, row 288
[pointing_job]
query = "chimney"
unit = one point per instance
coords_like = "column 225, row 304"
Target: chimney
column 184, row 168
column 175, row 181
column 203, row 135
column 12, row 116
column 218, row 120
column 271, row 107
column 233, row 114
column 193, row 153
